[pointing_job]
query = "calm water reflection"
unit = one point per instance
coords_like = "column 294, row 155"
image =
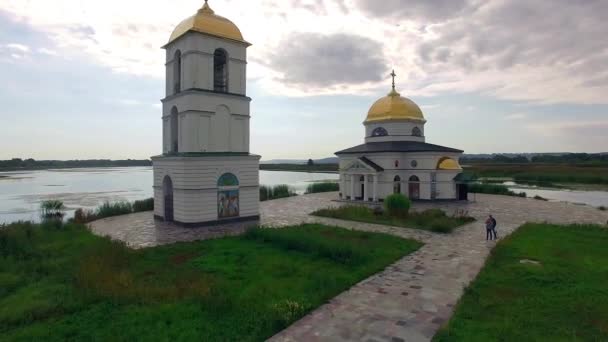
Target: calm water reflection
column 22, row 192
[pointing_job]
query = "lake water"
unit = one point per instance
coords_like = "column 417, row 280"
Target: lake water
column 22, row 192
column 592, row 198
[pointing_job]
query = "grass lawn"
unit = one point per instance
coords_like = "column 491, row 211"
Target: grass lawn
column 434, row 220
column 64, row 283
column 564, row 298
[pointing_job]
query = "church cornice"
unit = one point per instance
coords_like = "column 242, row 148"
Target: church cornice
column 205, row 91
column 206, row 54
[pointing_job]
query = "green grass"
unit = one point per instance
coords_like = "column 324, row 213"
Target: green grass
column 322, row 187
column 60, row 282
column 494, row 189
column 268, row 193
column 434, row 220
column 564, row 298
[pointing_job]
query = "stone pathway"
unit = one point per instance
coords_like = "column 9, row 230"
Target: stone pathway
column 410, row 299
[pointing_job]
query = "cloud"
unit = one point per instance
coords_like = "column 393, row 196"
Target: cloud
column 545, row 51
column 18, row 47
column 428, row 10
column 516, row 116
column 567, row 129
column 313, row 60
column 49, row 52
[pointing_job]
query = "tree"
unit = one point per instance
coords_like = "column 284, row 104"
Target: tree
column 310, row 162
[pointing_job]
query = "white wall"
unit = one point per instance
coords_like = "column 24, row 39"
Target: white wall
column 197, row 62
column 427, row 165
column 195, row 185
column 397, row 130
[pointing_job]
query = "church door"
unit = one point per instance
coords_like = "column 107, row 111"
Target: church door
column 168, row 198
column 414, row 188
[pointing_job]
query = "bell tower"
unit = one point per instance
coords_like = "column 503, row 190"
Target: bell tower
column 206, row 120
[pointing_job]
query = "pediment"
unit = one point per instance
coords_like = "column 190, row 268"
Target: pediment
column 360, row 165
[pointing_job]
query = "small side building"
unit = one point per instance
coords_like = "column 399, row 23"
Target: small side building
column 396, row 158
column 206, row 175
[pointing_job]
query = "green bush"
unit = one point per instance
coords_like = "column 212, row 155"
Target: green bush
column 52, row 209
column 82, row 216
column 397, row 205
column 143, row 205
column 602, row 208
column 441, row 225
column 322, row 187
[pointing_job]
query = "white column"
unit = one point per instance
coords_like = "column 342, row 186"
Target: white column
column 375, row 188
column 352, row 187
column 365, row 188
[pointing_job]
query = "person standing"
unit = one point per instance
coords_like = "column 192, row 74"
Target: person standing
column 494, row 223
column 488, row 229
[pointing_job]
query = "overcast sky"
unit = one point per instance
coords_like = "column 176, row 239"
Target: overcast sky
column 84, row 78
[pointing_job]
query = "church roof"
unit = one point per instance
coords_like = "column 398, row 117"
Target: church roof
column 207, row 22
column 371, row 164
column 397, row 146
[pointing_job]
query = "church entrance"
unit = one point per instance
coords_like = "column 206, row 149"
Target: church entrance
column 414, row 188
column 168, row 198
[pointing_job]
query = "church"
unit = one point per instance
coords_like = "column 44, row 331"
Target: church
column 396, row 158
column 206, row 175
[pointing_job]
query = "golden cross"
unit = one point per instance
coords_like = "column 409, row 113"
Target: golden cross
column 394, row 75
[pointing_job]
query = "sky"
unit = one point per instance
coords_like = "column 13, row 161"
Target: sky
column 83, row 79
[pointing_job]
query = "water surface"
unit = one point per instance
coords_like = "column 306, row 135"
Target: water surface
column 21, row 192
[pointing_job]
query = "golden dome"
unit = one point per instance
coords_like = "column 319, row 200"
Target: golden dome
column 207, row 22
column 448, row 164
column 394, row 107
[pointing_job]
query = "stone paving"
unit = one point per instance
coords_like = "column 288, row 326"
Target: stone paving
column 410, row 299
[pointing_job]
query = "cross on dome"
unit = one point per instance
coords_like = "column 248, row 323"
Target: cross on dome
column 206, row 8
column 393, row 75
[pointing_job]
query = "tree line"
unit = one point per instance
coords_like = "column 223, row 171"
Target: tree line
column 32, row 164
column 567, row 158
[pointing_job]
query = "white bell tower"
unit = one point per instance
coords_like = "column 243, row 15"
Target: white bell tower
column 206, row 175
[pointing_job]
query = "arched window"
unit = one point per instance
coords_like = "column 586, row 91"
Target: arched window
column 379, row 132
column 416, row 132
column 414, row 179
column 177, row 72
column 174, row 140
column 220, row 71
column 397, row 185
column 228, row 196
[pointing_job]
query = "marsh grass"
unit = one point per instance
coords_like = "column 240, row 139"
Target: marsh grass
column 540, row 173
column 318, row 187
column 108, row 209
column 563, row 298
column 143, row 205
column 268, row 193
column 67, row 284
column 494, row 189
column 434, row 220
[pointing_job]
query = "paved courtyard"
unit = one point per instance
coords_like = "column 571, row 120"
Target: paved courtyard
column 410, row 299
